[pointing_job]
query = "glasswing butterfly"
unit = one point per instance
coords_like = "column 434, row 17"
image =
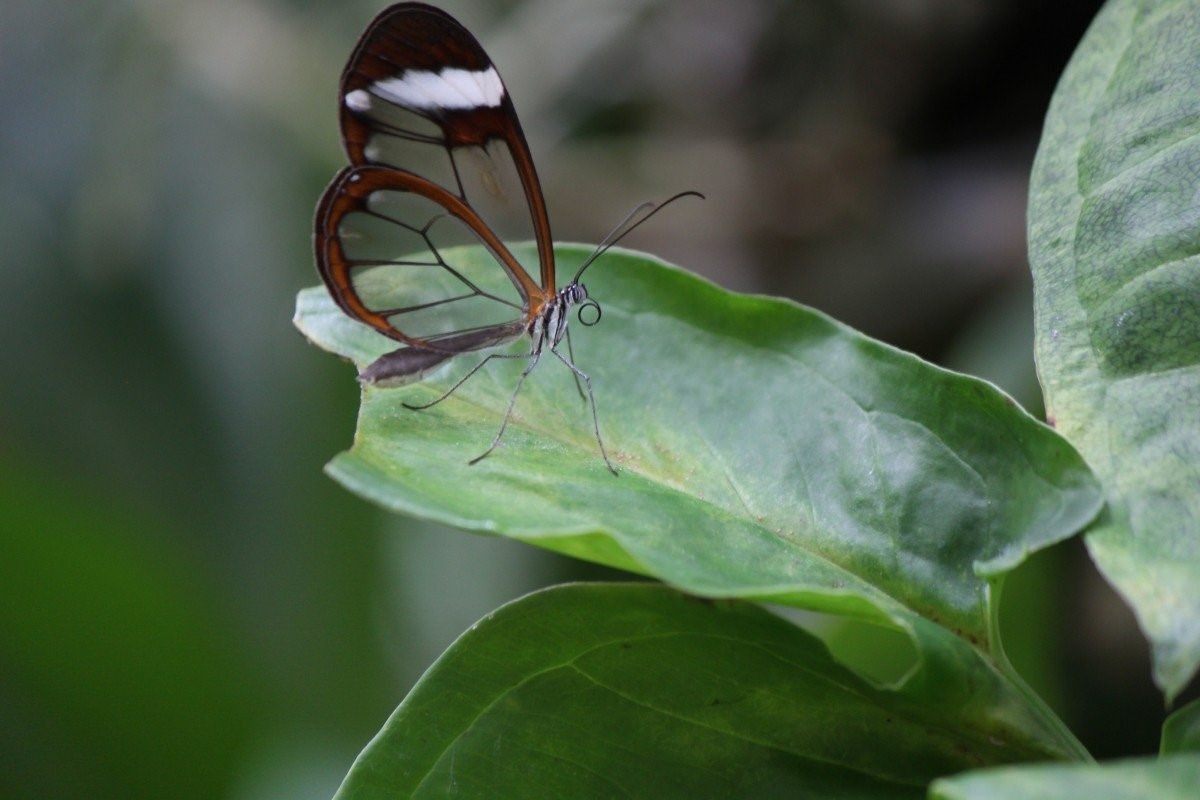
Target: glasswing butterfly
column 428, row 126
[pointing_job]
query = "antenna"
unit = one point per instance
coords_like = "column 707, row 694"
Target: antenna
column 624, row 227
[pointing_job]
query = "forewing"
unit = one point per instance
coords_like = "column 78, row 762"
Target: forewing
column 385, row 244
column 419, row 93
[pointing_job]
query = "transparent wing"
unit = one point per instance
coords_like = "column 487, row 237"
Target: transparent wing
column 388, row 245
column 420, row 94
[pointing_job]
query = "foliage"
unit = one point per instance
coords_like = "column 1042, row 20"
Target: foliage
column 1113, row 241
column 770, row 454
column 1181, row 731
column 549, row 697
column 1170, row 778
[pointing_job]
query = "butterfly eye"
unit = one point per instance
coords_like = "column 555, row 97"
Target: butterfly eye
column 589, row 321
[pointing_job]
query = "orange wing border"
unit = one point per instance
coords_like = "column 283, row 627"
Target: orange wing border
column 349, row 192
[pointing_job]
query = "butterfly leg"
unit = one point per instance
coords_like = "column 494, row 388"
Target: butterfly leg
column 462, row 380
column 512, row 401
column 595, row 418
column 571, row 355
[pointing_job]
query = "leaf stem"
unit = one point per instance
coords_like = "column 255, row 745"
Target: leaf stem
column 1039, row 706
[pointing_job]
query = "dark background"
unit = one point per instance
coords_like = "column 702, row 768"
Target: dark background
column 188, row 606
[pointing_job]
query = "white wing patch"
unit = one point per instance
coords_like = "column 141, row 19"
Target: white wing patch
column 451, row 88
column 358, row 100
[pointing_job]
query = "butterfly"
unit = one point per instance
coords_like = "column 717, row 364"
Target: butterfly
column 427, row 124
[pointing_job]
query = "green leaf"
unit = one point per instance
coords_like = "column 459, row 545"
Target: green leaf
column 1135, row 779
column 1114, row 232
column 767, row 452
column 637, row 691
column 1181, row 731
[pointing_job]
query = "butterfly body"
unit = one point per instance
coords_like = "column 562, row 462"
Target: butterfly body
column 550, row 325
column 547, row 328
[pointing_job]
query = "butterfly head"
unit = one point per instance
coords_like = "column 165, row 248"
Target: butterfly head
column 589, row 310
column 574, row 293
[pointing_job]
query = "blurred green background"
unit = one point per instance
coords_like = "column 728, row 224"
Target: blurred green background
column 188, row 606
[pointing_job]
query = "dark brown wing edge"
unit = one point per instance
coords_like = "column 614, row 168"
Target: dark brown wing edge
column 417, row 36
column 349, row 192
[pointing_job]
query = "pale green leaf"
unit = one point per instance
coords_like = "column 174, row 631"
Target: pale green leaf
column 766, row 452
column 1168, row 778
column 1114, row 230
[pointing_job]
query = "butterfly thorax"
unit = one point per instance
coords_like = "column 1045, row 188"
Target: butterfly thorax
column 549, row 326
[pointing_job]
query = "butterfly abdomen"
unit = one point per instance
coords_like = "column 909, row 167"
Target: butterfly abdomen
column 412, row 363
column 401, row 367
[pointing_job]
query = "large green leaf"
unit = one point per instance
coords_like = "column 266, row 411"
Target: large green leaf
column 637, row 691
column 1114, row 230
column 766, row 452
column 1165, row 778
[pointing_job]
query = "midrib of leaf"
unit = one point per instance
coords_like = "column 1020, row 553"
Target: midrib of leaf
column 877, row 594
column 742, row 737
column 840, row 589
column 572, row 664
column 1097, row 188
column 887, row 604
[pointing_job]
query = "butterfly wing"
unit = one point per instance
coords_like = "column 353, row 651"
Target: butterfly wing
column 370, row 213
column 418, row 96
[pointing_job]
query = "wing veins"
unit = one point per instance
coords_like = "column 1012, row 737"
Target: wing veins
column 462, row 192
column 389, row 312
column 419, row 231
column 441, row 262
column 396, row 132
column 389, row 262
column 439, row 336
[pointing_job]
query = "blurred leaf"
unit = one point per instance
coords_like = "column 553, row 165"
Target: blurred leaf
column 767, row 452
column 1113, row 236
column 1135, row 779
column 1181, row 731
column 599, row 690
column 114, row 649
